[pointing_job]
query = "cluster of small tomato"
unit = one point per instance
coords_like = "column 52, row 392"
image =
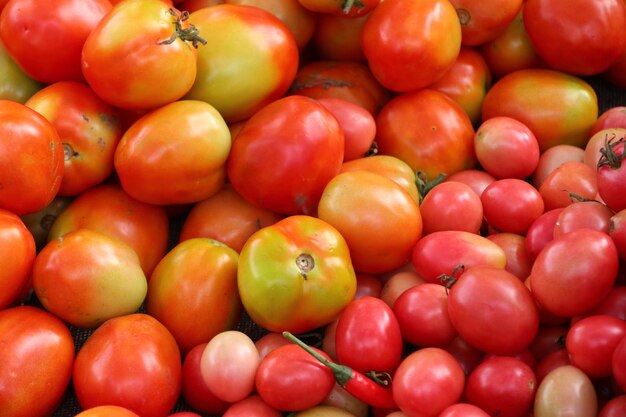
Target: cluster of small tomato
column 244, row 203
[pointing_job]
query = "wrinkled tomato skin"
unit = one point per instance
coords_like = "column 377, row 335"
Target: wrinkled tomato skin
column 28, row 387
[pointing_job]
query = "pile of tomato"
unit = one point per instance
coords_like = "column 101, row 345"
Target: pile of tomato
column 338, row 208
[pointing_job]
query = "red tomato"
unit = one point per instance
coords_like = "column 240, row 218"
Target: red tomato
column 152, row 38
column 349, row 8
column 518, row 261
column 441, row 252
column 483, row 21
column 549, row 338
column 251, row 406
column 397, row 283
column 613, row 304
column 544, row 100
column 64, row 25
column 107, row 411
column 467, row 355
column 477, row 179
column 133, row 350
column 502, row 386
column 89, row 130
column 451, row 205
column 618, row 364
column 428, row 131
column 508, row 326
column 617, row 231
column 175, row 154
column 573, row 177
column 74, row 281
column 597, row 141
column 380, row 222
column 578, row 43
column 422, row 313
column 615, row 407
column 297, row 144
column 270, row 341
column 368, row 285
column 567, row 290
column 591, row 342
column 611, row 174
column 109, row 210
column 541, row 231
column 338, row 38
column 29, row 387
column 552, row 158
column 581, row 214
column 290, row 379
column 552, row 360
column 511, row 205
column 15, row 239
column 34, row 147
column 613, row 117
column 197, row 277
column 427, row 382
column 367, row 337
column 462, row 410
column 398, row 31
column 506, row 148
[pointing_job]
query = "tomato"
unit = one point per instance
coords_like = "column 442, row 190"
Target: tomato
column 397, row 283
column 107, row 411
column 617, row 231
column 508, row 326
column 589, row 214
column 422, row 313
column 506, row 148
column 153, row 39
column 518, row 261
column 503, row 386
column 194, row 390
column 477, row 179
column 451, row 205
column 227, row 217
column 341, row 7
column 74, row 281
column 324, row 411
column 228, row 365
column 427, row 381
column 30, row 143
column 466, row 82
column 569, row 178
column 298, row 146
column 615, row 407
column 367, row 337
column 15, row 85
column 483, row 21
column 618, row 364
column 565, row 391
column 565, row 289
column 89, row 130
column 40, row 222
column 398, row 31
column 109, row 210
column 252, row 405
column 612, row 117
column 541, row 231
column 29, row 387
column 16, row 240
column 340, row 399
column 428, row 131
column 462, row 410
column 295, row 275
column 300, row 21
column 611, row 173
column 613, row 304
column 338, row 38
column 552, row 158
column 379, row 221
column 358, row 125
column 349, row 80
column 197, row 277
column 551, row 361
column 511, row 50
column 511, row 205
column 136, row 351
column 368, row 285
column 441, row 252
column 64, row 25
column 250, row 62
column 592, row 152
column 175, row 154
column 557, row 33
column 559, row 108
column 290, row 379
column 549, row 338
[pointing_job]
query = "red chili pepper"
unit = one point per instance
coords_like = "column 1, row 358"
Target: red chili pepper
column 356, row 383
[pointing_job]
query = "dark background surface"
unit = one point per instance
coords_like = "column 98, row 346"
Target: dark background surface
column 608, row 96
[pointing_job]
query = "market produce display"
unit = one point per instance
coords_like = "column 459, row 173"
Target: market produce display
column 312, row 208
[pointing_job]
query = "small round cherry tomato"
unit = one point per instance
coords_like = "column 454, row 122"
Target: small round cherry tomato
column 15, row 239
column 511, row 205
column 451, row 205
column 565, row 388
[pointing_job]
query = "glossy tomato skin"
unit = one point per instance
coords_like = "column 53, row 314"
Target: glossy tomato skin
column 285, row 155
column 552, row 158
column 565, row 290
column 553, row 27
column 15, row 239
column 197, row 277
column 572, row 177
column 610, row 175
column 252, row 405
column 482, row 328
column 295, row 275
column 483, row 21
column 581, row 214
column 175, row 154
column 251, row 61
column 108, row 209
column 566, row 387
column 46, row 39
column 132, row 35
column 29, row 143
column 398, row 31
column 33, row 388
column 451, row 205
column 132, row 350
column 89, row 129
column 511, row 205
column 380, row 222
column 428, row 131
column 556, row 106
column 518, row 261
column 107, row 411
